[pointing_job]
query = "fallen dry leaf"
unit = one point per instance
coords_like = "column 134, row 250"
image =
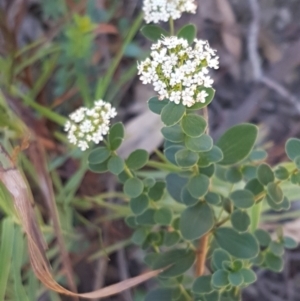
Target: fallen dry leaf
column 16, row 185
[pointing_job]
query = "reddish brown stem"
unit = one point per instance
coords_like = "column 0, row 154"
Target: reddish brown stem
column 201, row 255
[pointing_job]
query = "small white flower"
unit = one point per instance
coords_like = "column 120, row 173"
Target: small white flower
column 89, row 125
column 178, row 71
column 201, row 96
column 162, row 10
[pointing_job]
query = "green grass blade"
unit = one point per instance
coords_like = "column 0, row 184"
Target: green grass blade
column 104, row 82
column 6, row 248
column 18, row 250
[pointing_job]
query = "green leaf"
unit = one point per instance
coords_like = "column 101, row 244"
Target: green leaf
column 208, row 170
column 213, row 198
column 99, row 168
column 193, row 125
column 248, row 275
column 98, row 155
column 155, row 105
column 123, row 177
column 220, row 256
column 233, row 175
column 116, row 136
column 160, row 294
column 275, row 192
column 146, row 218
column 208, row 99
column 273, row 262
column 198, row 185
column 282, row 173
column 133, row 187
column 242, row 198
column 137, row 159
column 297, row 162
column 140, row 204
column 130, row 222
column 236, row 278
column 188, row 32
column 187, row 198
column 212, row 156
column 153, row 32
column 6, row 250
column 149, row 182
column 295, row 178
column 240, row 220
column 283, row 206
column 173, row 133
column 277, row 248
column 237, row 142
column 220, row 279
column 255, row 187
column 180, row 261
column 115, row 165
column 265, row 174
column 186, row 158
column 292, row 148
column 213, row 296
column 172, row 113
column 263, row 237
column 163, row 216
column 196, row 221
column 156, row 192
column 204, row 143
column 175, row 184
column 139, row 236
column 171, row 238
column 171, row 151
column 202, row 285
column 239, row 245
column 249, row 172
column 258, row 155
column 290, row 243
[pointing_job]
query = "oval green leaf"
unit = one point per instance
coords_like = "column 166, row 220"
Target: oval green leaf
column 237, row 143
column 292, row 148
column 115, row 165
column 155, row 105
column 137, row 159
column 180, row 261
column 172, row 113
column 196, row 221
column 204, row 143
column 186, row 158
column 193, row 125
column 239, row 245
column 133, row 187
column 265, row 174
column 240, row 220
column 198, row 186
column 173, row 133
column 188, row 32
column 153, row 32
column 242, row 198
column 98, row 155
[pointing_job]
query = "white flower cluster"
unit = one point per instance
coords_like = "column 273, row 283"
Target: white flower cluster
column 162, row 10
column 178, row 71
column 89, row 125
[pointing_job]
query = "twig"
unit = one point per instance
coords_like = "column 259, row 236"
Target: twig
column 203, row 242
column 201, row 255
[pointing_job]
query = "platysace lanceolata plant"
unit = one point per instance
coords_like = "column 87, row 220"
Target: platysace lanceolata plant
column 200, row 216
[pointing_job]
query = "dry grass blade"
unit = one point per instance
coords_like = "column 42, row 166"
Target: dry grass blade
column 17, row 187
